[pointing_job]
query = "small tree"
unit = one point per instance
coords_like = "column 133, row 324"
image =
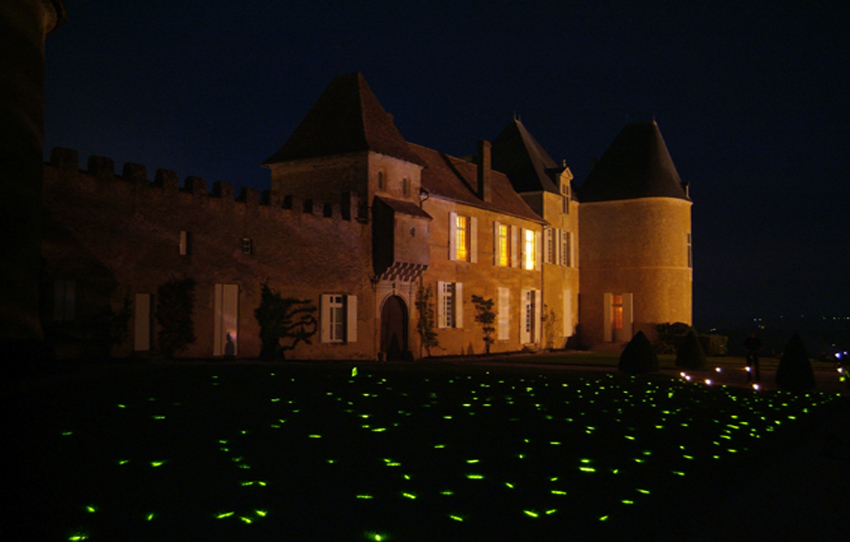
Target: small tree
column 689, row 354
column 175, row 303
column 638, row 357
column 485, row 315
column 281, row 318
column 670, row 336
column 794, row 372
column 426, row 324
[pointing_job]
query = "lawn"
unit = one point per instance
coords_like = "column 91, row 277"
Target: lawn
column 250, row 451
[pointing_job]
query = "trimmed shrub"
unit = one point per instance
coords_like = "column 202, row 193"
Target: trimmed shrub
column 638, row 357
column 689, row 354
column 794, row 372
column 670, row 337
column 174, row 307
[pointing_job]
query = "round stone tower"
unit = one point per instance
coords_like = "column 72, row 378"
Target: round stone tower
column 23, row 26
column 634, row 240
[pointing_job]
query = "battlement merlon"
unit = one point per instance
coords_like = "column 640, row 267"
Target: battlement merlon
column 351, row 205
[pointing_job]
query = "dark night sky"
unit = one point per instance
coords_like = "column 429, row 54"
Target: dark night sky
column 751, row 97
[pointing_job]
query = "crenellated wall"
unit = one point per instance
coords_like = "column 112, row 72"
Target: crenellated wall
column 304, row 248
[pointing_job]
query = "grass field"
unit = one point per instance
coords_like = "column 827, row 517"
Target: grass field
column 425, row 452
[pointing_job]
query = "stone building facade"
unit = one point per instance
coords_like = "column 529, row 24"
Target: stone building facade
column 361, row 223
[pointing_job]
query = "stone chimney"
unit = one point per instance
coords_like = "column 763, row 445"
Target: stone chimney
column 485, row 190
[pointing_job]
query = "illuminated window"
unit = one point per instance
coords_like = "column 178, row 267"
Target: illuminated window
column 461, row 238
column 450, row 304
column 529, row 249
column 502, row 234
column 463, row 244
column 247, row 245
column 339, row 318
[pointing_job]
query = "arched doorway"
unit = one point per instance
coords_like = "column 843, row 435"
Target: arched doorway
column 394, row 328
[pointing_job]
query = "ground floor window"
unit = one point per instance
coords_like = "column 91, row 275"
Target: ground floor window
column 450, row 304
column 339, row 318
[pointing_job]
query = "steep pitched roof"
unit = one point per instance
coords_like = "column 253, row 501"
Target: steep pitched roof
column 346, row 118
column 526, row 163
column 456, row 179
column 636, row 165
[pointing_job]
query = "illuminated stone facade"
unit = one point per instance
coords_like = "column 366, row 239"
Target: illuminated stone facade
column 358, row 222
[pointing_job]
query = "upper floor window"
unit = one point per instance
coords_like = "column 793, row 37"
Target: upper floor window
column 247, row 245
column 503, row 244
column 566, row 248
column 185, row 243
column 382, row 180
column 565, row 197
column 529, row 248
column 690, row 251
column 463, row 243
column 405, row 186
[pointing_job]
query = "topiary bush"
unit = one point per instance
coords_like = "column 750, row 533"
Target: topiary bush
column 794, row 372
column 639, row 356
column 689, row 354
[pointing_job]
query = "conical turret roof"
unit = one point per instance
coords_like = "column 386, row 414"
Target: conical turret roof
column 636, row 165
column 526, row 163
column 346, row 118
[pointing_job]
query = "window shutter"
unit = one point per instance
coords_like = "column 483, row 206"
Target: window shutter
column 504, row 313
column 351, row 318
column 441, row 304
column 538, row 315
column 496, row 252
column 473, row 239
column 458, row 304
column 548, row 245
column 521, row 245
column 325, row 322
column 452, row 236
column 524, row 336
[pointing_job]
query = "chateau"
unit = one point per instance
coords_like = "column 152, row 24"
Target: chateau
column 361, row 224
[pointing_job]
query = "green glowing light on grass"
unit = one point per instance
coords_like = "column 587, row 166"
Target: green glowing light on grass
column 246, row 519
column 123, row 461
column 630, row 437
column 67, row 433
column 315, row 436
column 627, row 501
column 224, row 515
column 510, row 485
column 157, row 463
column 276, row 400
column 558, row 492
column 587, row 469
column 409, row 495
column 121, row 406
column 439, row 446
column 531, row 513
column 150, row 516
column 678, row 472
column 78, row 536
column 377, row 537
column 644, row 491
column 603, row 518
column 354, row 371
column 91, row 509
column 365, row 496
column 552, row 511
column 379, row 429
column 158, row 417
column 456, row 518
column 475, row 476
column 473, row 460
column 261, row 513
column 447, row 492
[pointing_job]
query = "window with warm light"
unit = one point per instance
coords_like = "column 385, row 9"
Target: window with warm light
column 462, row 238
column 530, row 249
column 504, row 244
